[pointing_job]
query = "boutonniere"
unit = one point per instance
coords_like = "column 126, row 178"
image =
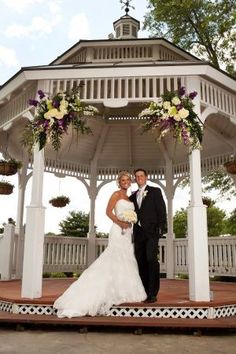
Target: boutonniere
column 144, row 194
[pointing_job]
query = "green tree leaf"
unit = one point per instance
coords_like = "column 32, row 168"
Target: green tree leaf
column 205, row 28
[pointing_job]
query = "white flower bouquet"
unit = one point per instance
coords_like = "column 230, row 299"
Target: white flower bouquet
column 128, row 216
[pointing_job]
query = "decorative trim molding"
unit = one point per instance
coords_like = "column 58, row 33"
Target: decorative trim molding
column 210, row 312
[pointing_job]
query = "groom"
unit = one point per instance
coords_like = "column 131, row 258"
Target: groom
column 151, row 211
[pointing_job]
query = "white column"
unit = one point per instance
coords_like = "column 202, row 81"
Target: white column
column 170, row 233
column 199, row 287
column 92, row 231
column 34, row 233
column 6, row 252
column 19, row 229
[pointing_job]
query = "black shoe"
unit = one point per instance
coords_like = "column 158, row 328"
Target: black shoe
column 150, row 299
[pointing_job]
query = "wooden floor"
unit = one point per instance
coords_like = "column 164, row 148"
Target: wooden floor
column 173, row 293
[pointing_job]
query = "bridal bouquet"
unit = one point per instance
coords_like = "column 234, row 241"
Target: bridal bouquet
column 128, row 216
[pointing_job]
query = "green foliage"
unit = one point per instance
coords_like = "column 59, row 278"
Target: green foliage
column 180, row 223
column 217, row 180
column 59, row 201
column 230, row 225
column 221, row 181
column 3, row 183
column 205, row 27
column 216, row 222
column 102, row 234
column 76, row 224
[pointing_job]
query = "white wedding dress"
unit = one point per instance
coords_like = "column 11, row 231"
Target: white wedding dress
column 111, row 280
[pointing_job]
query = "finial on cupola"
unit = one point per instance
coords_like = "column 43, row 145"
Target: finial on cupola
column 126, row 5
column 126, row 27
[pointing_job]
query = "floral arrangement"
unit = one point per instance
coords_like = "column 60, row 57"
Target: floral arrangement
column 128, row 216
column 54, row 115
column 6, row 187
column 9, row 167
column 173, row 112
column 59, row 201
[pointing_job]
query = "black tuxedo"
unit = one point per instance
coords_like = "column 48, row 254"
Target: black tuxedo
column 150, row 226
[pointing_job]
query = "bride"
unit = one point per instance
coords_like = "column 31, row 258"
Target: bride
column 113, row 278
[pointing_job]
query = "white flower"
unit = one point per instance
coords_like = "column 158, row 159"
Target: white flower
column 177, row 117
column 146, row 112
column 128, row 216
column 53, row 113
column 159, row 102
column 183, row 113
column 166, row 104
column 164, row 116
column 144, row 194
column 175, row 100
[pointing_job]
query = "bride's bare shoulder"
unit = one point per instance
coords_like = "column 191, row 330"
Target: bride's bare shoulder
column 115, row 194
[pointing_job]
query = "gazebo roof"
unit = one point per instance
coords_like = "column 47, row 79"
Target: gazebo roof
column 119, row 77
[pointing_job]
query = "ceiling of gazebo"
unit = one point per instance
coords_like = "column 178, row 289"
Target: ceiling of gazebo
column 118, row 142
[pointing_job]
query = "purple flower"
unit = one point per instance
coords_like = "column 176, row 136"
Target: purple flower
column 192, row 95
column 182, row 91
column 33, row 102
column 179, row 106
column 46, row 124
column 56, row 103
column 41, row 94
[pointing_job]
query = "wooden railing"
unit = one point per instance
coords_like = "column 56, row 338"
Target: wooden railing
column 68, row 254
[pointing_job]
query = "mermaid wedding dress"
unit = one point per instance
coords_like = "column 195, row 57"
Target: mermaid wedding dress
column 112, row 279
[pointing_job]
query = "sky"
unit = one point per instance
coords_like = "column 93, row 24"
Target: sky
column 35, row 32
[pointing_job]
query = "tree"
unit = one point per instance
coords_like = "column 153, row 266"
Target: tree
column 76, row 224
column 180, row 223
column 218, row 181
column 204, row 27
column 216, row 221
column 230, row 227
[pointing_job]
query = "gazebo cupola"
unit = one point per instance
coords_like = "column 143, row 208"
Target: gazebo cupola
column 126, row 27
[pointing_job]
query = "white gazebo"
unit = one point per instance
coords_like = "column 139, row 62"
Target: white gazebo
column 119, row 76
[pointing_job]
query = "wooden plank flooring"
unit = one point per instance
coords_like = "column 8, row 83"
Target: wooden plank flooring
column 172, row 293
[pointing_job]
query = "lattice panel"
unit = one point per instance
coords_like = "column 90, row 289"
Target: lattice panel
column 26, row 309
column 6, row 306
column 140, row 312
column 225, row 311
column 160, row 312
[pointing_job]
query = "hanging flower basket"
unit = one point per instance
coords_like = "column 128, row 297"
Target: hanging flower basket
column 6, row 187
column 9, row 167
column 60, row 201
column 174, row 113
column 54, row 115
column 207, row 201
column 230, row 166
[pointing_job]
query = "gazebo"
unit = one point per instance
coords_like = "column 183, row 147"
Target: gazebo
column 118, row 76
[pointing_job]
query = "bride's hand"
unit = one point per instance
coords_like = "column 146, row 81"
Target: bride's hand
column 124, row 225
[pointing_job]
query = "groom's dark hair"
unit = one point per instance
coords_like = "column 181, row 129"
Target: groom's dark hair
column 140, row 170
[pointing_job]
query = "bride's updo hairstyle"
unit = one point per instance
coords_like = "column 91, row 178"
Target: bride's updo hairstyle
column 121, row 174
